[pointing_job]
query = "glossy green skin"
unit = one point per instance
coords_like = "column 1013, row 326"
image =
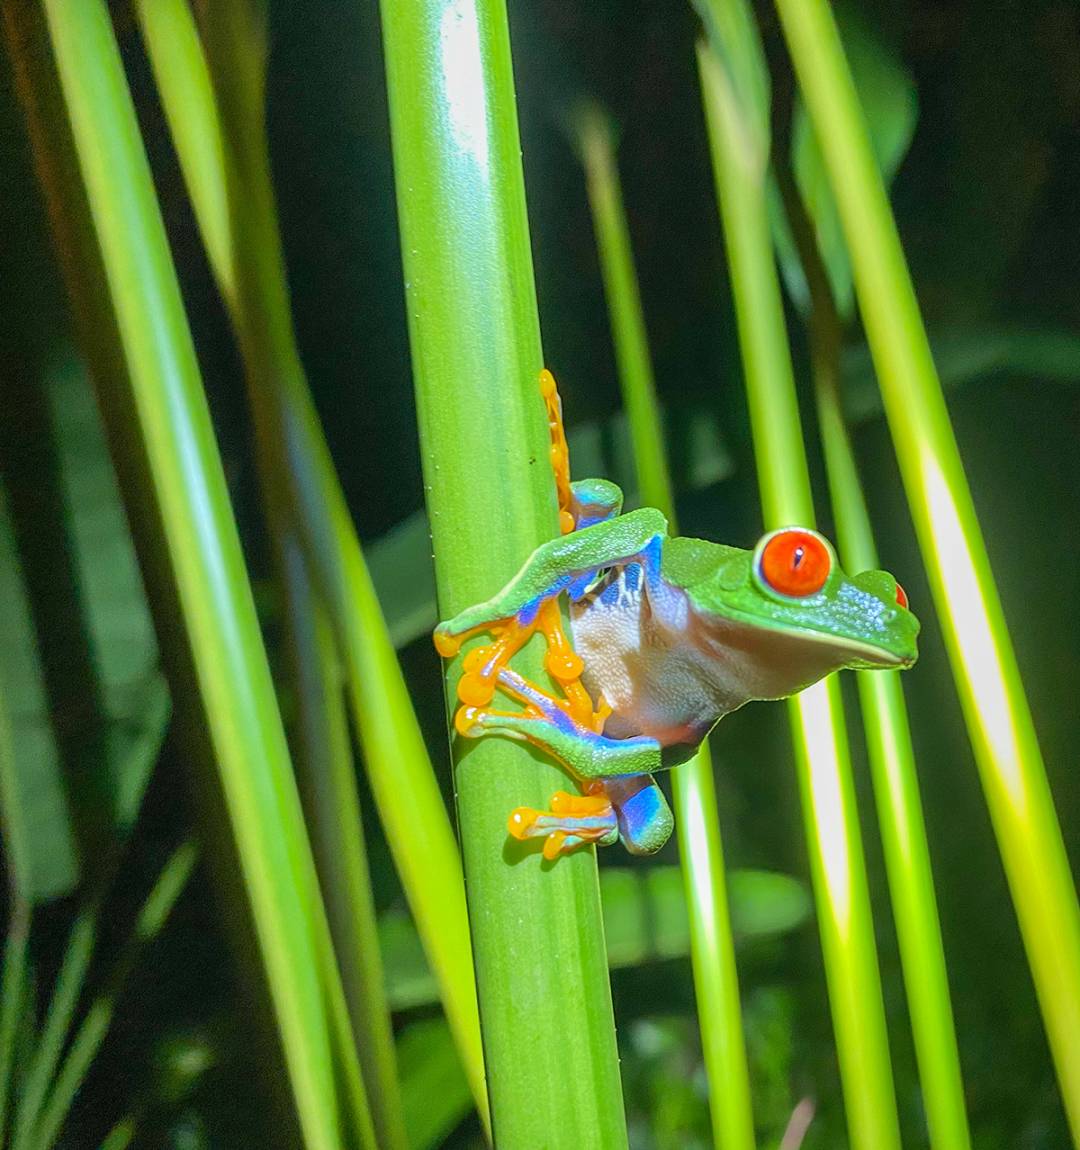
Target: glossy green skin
column 675, row 633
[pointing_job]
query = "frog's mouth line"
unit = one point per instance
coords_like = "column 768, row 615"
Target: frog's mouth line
column 862, row 655
column 874, row 658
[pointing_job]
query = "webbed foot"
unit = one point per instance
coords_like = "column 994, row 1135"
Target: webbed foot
column 483, row 665
column 572, row 821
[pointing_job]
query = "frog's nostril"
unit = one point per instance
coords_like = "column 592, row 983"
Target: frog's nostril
column 901, row 596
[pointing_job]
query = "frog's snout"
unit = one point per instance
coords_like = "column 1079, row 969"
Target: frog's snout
column 899, row 628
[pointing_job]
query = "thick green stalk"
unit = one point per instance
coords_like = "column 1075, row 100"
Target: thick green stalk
column 977, row 640
column 545, row 1003
column 403, row 782
column 205, row 555
column 740, row 161
column 892, row 759
column 716, row 983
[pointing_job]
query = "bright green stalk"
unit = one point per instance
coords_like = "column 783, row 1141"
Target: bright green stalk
column 234, row 183
column 91, row 1032
column 892, row 759
column 981, row 653
column 545, row 1003
column 402, row 780
column 716, row 983
column 205, row 556
column 740, row 162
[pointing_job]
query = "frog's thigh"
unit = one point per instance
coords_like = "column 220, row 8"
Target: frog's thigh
column 587, row 754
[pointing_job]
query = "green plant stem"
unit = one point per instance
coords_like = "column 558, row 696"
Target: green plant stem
column 545, row 1003
column 885, row 718
column 976, row 636
column 255, row 291
column 205, row 555
column 740, row 158
column 120, row 1136
column 716, row 983
column 403, row 782
column 91, row 1033
column 63, row 1003
column 13, row 1001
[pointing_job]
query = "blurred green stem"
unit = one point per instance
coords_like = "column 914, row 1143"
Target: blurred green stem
column 885, row 718
column 402, row 780
column 549, row 1036
column 716, row 983
column 63, row 1003
column 91, row 1033
column 168, row 405
column 13, row 999
column 977, row 640
column 738, row 134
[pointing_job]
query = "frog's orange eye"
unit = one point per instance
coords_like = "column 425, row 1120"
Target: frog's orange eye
column 901, row 596
column 795, row 563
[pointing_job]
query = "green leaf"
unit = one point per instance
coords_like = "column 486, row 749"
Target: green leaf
column 890, row 105
column 38, row 834
column 37, row 797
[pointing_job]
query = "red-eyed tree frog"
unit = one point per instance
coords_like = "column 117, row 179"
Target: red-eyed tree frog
column 669, row 635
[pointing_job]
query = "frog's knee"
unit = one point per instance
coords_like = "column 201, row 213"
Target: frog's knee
column 595, row 500
column 645, row 819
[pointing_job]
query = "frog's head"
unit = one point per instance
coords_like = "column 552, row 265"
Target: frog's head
column 791, row 584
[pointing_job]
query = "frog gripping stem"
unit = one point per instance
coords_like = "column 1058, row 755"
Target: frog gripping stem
column 568, row 824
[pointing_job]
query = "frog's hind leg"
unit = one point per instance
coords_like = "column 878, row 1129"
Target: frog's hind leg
column 588, row 501
column 549, row 724
column 622, row 799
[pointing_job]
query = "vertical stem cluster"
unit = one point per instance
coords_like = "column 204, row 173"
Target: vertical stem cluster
column 738, row 134
column 545, row 1004
column 977, row 640
column 716, row 982
column 168, row 406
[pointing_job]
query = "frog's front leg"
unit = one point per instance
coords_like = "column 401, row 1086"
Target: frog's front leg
column 527, row 603
column 557, row 566
column 622, row 800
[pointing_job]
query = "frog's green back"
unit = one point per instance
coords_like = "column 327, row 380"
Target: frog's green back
column 691, row 562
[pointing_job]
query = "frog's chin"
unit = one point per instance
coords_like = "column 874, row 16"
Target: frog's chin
column 859, row 656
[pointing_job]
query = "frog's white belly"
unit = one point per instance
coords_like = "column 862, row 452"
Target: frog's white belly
column 668, row 673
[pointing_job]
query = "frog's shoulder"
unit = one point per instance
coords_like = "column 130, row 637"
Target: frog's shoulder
column 692, row 562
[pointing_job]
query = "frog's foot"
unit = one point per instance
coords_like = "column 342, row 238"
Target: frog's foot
column 572, row 821
column 560, row 452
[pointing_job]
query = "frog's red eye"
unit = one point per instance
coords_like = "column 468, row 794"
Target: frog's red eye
column 795, row 563
column 901, row 596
